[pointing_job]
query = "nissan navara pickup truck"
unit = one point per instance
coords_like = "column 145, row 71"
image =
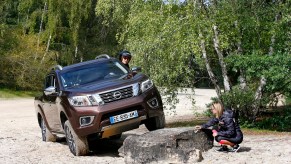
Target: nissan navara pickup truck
column 100, row 98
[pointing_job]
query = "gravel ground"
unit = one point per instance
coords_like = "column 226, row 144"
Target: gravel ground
column 20, row 139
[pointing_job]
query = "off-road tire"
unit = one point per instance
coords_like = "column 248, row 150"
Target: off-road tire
column 155, row 123
column 77, row 145
column 47, row 136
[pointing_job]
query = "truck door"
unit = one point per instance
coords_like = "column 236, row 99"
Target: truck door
column 49, row 106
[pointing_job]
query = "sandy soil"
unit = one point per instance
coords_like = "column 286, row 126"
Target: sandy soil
column 20, row 139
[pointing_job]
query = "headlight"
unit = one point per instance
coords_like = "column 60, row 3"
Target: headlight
column 146, row 85
column 88, row 100
column 79, row 101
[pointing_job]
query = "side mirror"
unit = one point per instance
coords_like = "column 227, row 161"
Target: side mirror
column 50, row 90
column 136, row 69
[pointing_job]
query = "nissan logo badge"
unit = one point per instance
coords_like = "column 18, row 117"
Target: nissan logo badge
column 117, row 95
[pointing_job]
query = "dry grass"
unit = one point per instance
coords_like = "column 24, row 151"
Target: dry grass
column 263, row 132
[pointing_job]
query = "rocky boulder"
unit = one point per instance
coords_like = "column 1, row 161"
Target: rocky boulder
column 170, row 145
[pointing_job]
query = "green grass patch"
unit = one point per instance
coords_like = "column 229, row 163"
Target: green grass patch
column 8, row 93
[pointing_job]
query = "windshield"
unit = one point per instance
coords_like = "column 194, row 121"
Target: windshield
column 93, row 73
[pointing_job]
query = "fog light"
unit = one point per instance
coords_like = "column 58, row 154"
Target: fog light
column 86, row 120
column 153, row 103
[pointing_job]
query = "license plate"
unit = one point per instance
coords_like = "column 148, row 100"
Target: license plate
column 123, row 117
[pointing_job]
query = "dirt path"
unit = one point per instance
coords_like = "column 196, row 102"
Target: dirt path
column 20, row 142
column 20, row 139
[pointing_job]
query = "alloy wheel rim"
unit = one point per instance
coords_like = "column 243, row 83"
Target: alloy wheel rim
column 70, row 140
column 43, row 130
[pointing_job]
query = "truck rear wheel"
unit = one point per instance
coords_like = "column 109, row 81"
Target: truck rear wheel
column 77, row 145
column 47, row 136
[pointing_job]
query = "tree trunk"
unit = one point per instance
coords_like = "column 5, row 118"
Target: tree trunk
column 271, row 49
column 242, row 80
column 76, row 54
column 263, row 81
column 242, row 77
column 47, row 49
column 209, row 70
column 41, row 22
column 226, row 83
column 258, row 97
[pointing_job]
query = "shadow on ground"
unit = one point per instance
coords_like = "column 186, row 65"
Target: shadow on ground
column 102, row 147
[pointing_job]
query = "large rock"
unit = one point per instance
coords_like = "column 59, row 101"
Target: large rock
column 170, row 145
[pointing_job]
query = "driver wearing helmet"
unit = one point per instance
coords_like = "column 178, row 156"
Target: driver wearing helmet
column 125, row 57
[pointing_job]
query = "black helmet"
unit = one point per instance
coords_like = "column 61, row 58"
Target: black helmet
column 124, row 53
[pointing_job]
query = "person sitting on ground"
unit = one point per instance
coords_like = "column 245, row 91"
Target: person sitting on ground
column 125, row 57
column 225, row 130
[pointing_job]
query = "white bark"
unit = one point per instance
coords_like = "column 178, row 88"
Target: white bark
column 41, row 23
column 216, row 43
column 258, row 96
column 242, row 77
column 76, row 51
column 271, row 49
column 208, row 67
column 242, row 80
column 47, row 48
column 263, row 81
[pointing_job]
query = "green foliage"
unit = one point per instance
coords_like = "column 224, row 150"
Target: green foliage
column 154, row 35
column 275, row 68
column 36, row 34
column 278, row 121
column 20, row 67
column 240, row 100
column 288, row 100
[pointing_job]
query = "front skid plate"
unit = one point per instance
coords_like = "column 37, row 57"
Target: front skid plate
column 121, row 127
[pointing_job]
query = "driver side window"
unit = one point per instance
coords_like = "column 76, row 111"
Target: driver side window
column 50, row 81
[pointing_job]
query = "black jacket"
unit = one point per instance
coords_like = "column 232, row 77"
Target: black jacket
column 225, row 125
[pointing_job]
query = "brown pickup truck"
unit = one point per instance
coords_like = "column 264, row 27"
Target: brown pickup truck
column 99, row 98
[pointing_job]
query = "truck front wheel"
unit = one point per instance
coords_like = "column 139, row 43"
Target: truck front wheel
column 78, row 145
column 155, row 123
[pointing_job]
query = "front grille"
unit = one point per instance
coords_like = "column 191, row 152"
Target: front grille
column 116, row 95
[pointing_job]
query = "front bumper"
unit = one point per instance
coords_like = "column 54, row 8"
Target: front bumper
column 114, row 129
column 101, row 123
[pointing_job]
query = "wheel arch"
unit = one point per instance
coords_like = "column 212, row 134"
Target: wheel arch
column 40, row 115
column 63, row 118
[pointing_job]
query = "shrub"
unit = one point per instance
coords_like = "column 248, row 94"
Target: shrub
column 279, row 121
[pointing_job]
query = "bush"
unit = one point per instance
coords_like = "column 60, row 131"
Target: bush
column 241, row 101
column 279, row 121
